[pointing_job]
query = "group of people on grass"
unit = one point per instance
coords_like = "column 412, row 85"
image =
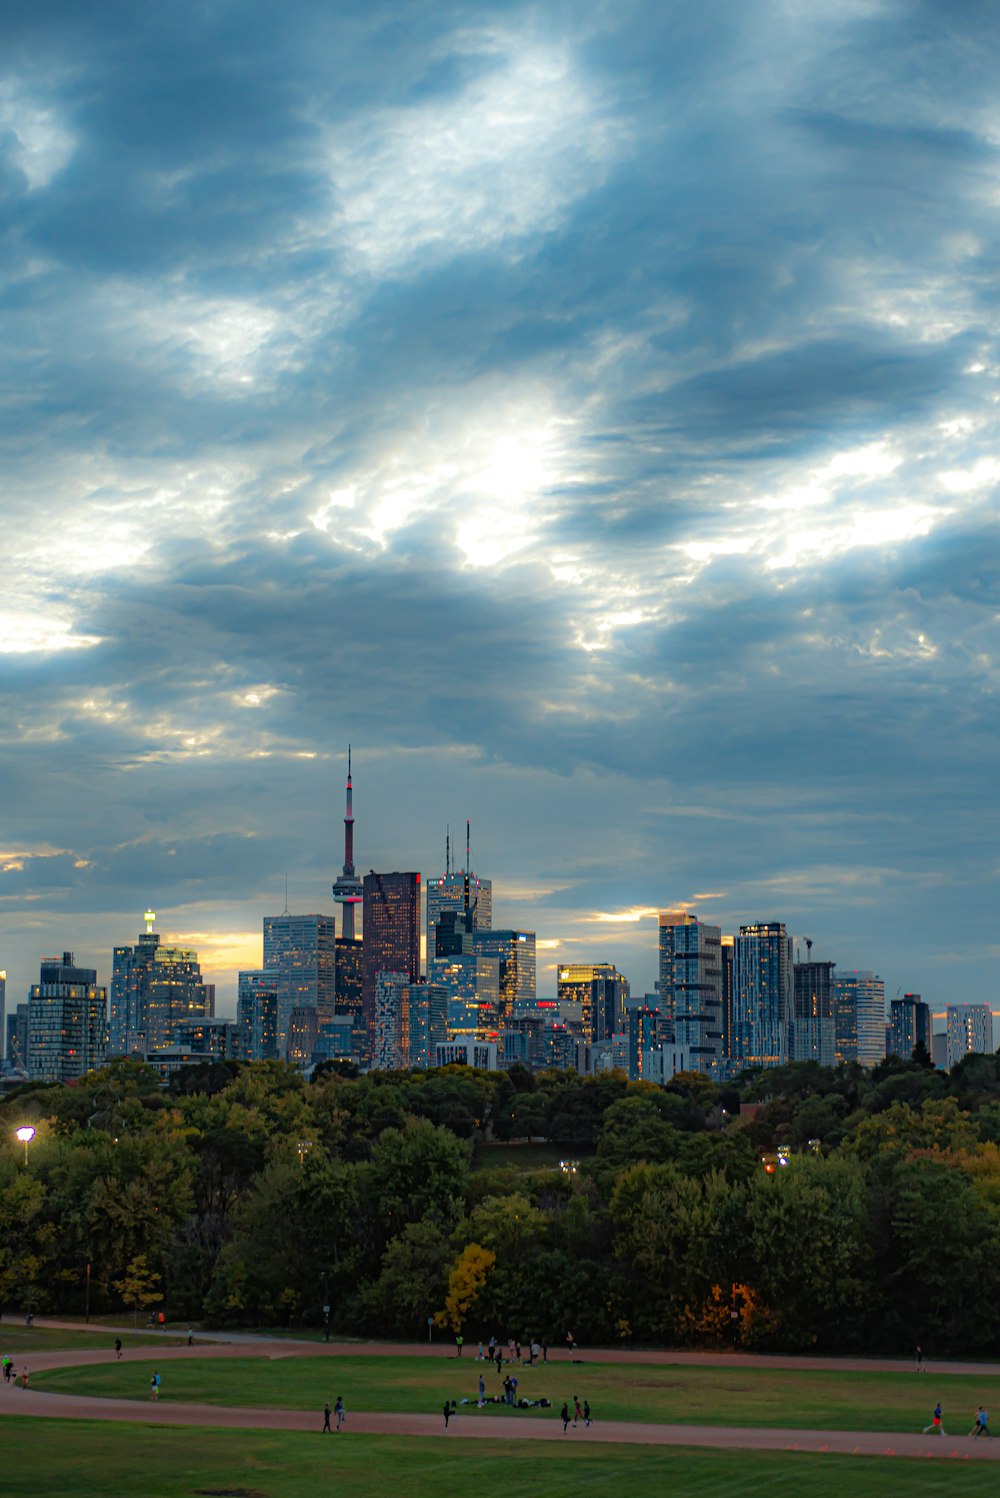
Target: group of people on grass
column 10, row 1373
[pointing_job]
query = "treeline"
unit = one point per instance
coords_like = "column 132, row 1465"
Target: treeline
column 244, row 1195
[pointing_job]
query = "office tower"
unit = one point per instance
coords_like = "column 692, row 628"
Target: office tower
column 762, row 994
column 813, row 1030
column 209, row 990
column 909, row 1026
column 727, row 960
column 17, row 1039
column 461, row 891
column 257, row 1014
column 969, row 1029
column 67, row 1022
column 348, row 890
column 301, row 949
column 515, row 951
column 524, row 1041
column 644, row 1033
column 602, row 993
column 391, row 936
column 3, row 1003
column 859, row 1017
column 472, row 983
column 153, row 987
column 690, row 986
column 348, row 988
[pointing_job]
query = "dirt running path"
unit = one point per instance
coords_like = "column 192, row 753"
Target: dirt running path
column 243, row 1344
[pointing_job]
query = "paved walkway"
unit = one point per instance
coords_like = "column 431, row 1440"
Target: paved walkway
column 17, row 1401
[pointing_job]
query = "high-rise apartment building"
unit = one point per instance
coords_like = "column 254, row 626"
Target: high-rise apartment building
column 515, row 952
column 762, row 994
column 969, row 1030
column 3, row 1003
column 391, row 937
column 257, row 1014
column 67, row 1021
column 909, row 1026
column 858, row 1017
column 602, row 994
column 690, row 986
column 153, row 987
column 301, row 949
column 813, row 1035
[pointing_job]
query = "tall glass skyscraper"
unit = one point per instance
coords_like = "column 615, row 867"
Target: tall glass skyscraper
column 515, row 951
column 153, row 987
column 690, row 986
column 762, row 994
column 301, row 949
column 391, row 936
column 602, row 994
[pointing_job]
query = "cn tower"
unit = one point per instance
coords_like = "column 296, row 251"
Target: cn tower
column 348, row 890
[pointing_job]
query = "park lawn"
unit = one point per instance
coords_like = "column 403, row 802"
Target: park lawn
column 668, row 1395
column 527, row 1157
column 91, row 1459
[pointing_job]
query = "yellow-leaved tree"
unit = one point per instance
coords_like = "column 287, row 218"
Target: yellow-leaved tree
column 466, row 1278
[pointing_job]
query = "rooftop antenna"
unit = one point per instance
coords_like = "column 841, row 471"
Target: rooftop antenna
column 447, row 852
column 809, row 948
column 467, row 836
column 285, row 911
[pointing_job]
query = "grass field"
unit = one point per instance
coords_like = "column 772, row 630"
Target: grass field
column 91, row 1460
column 671, row 1395
column 526, row 1157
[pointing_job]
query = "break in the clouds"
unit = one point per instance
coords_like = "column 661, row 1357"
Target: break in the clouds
column 588, row 411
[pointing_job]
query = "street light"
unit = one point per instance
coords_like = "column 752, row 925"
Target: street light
column 25, row 1134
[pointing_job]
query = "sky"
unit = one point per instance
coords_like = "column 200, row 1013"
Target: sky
column 587, row 411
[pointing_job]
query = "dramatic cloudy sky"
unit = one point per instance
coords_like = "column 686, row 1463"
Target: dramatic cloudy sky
column 588, row 410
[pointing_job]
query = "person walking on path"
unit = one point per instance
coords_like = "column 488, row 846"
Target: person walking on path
column 339, row 1411
column 920, row 1358
column 586, row 1412
column 24, row 1376
column 190, row 1337
column 935, row 1427
column 326, row 1417
column 118, row 1349
column 447, row 1414
column 564, row 1416
column 577, row 1411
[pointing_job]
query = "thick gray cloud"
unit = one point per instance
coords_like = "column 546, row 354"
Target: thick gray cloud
column 588, row 412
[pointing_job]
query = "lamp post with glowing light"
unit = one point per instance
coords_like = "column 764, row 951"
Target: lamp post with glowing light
column 25, row 1134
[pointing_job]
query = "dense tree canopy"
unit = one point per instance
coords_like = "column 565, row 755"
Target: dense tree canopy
column 245, row 1194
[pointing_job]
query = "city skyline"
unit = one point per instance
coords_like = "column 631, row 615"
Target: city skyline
column 589, row 413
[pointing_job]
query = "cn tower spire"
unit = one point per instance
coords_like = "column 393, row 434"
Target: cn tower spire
column 348, row 890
